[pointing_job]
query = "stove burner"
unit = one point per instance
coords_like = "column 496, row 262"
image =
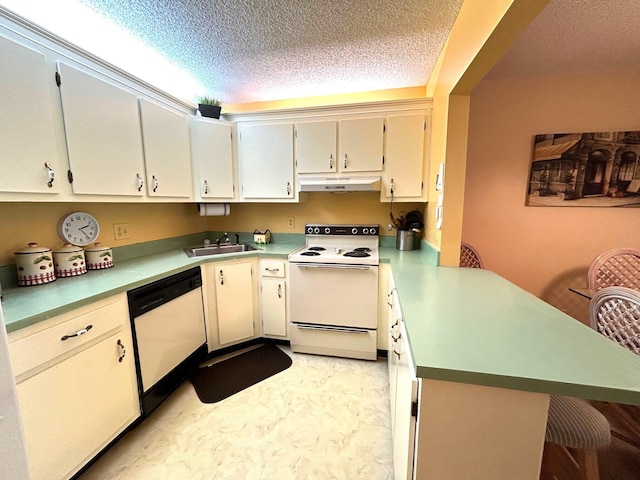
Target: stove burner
column 362, row 249
column 317, row 249
column 309, row 254
column 357, row 253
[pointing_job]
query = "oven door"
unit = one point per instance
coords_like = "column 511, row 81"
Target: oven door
column 334, row 295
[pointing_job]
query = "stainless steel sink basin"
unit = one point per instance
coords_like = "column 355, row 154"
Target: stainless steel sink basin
column 219, row 249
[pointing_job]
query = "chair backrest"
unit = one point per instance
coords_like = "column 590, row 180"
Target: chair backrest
column 615, row 313
column 469, row 258
column 617, row 267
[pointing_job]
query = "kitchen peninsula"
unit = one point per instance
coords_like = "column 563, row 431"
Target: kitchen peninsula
column 486, row 354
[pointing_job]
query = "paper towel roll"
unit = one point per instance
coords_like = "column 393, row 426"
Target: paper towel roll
column 214, row 209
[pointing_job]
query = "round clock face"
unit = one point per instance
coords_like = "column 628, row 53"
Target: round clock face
column 78, row 228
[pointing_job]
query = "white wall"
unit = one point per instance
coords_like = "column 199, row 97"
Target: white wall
column 13, row 461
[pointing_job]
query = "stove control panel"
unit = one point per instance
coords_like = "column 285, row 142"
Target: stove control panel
column 316, row 229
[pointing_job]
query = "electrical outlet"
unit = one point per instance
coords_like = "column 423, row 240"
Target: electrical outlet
column 121, row 231
column 291, row 222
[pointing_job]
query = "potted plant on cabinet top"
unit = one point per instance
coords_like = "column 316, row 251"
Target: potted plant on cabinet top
column 209, row 107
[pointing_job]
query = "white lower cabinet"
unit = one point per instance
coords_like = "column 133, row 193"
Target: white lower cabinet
column 403, row 389
column 231, row 303
column 79, row 392
column 273, row 298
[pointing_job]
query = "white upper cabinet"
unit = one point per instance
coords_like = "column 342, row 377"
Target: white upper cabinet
column 29, row 157
column 316, row 144
column 404, row 156
column 104, row 140
column 167, row 157
column 212, row 155
column 361, row 145
column 265, row 161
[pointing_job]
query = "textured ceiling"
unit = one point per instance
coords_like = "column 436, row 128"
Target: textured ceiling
column 246, row 51
column 576, row 36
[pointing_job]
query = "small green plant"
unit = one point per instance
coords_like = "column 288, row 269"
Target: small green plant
column 205, row 100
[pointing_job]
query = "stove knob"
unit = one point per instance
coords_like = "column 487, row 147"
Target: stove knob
column 309, row 229
column 327, row 230
column 365, row 230
column 354, row 230
column 316, row 230
column 373, row 231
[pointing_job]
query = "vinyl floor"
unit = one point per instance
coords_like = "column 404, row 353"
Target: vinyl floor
column 322, row 418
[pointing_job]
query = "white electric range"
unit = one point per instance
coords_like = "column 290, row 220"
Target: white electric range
column 334, row 291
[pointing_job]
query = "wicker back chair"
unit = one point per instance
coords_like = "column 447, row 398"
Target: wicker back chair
column 469, row 258
column 616, row 267
column 615, row 313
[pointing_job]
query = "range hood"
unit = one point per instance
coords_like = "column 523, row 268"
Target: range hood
column 339, row 184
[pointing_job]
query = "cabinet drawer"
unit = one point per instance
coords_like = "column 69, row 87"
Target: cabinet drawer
column 45, row 344
column 272, row 268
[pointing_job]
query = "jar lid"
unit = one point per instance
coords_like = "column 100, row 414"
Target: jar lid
column 97, row 247
column 32, row 247
column 67, row 248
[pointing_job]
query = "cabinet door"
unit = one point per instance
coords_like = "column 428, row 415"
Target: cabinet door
column 265, row 156
column 73, row 409
column 274, row 312
column 234, row 298
column 167, row 157
column 316, row 147
column 361, row 142
column 404, row 425
column 27, row 122
column 212, row 153
column 404, row 155
column 104, row 140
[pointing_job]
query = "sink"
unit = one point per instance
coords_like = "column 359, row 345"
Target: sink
column 219, row 249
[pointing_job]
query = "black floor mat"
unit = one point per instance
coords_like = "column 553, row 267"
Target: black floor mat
column 221, row 380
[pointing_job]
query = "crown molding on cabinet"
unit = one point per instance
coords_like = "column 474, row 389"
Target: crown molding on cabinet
column 22, row 27
column 382, row 107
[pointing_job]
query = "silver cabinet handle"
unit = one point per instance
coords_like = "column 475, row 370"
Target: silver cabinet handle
column 331, row 265
column 331, row 162
column 288, row 188
column 221, row 278
column 307, row 326
column 389, row 295
column 205, row 187
column 78, row 333
column 51, row 174
column 155, row 183
column 345, row 160
column 123, row 351
column 271, row 269
column 140, row 181
column 391, row 187
column 279, row 290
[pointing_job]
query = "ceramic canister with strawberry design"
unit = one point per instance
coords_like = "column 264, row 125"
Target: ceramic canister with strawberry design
column 69, row 261
column 35, row 265
column 99, row 256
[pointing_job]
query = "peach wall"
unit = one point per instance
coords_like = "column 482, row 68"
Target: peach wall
column 21, row 223
column 543, row 249
column 360, row 207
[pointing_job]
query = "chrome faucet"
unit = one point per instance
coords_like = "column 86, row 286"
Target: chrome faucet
column 237, row 238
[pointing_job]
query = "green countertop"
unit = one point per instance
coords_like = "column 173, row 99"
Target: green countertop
column 464, row 325
column 473, row 326
column 24, row 306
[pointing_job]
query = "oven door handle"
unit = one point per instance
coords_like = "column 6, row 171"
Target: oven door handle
column 331, row 265
column 307, row 326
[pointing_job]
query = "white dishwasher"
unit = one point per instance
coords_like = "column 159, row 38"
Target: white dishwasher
column 167, row 320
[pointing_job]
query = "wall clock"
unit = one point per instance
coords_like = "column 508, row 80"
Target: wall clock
column 78, row 228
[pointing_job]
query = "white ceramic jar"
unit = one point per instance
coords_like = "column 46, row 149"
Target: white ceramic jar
column 99, row 256
column 35, row 265
column 68, row 261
